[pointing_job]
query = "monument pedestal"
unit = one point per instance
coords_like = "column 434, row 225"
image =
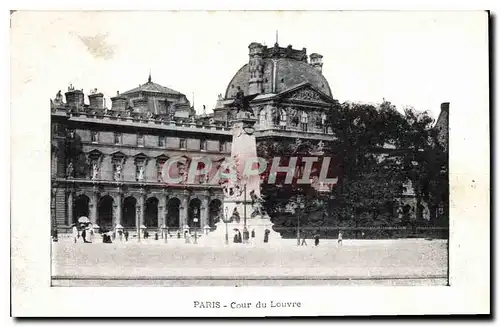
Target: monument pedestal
column 240, row 189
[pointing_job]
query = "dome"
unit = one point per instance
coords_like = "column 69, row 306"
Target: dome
column 284, row 72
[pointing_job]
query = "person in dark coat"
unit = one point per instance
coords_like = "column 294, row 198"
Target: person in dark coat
column 246, row 235
column 316, row 239
column 266, row 236
column 156, row 236
column 239, row 237
column 235, row 238
column 253, row 233
column 84, row 236
column 125, row 233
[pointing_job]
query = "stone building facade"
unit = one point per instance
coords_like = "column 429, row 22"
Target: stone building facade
column 288, row 95
column 107, row 163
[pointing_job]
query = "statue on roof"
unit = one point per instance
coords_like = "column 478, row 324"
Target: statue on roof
column 59, row 98
column 241, row 103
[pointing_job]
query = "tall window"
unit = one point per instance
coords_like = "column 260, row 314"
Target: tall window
column 203, row 145
column 140, row 140
column 182, row 143
column 324, row 123
column 263, row 118
column 282, row 122
column 94, row 137
column 303, row 122
column 118, row 138
column 161, row 141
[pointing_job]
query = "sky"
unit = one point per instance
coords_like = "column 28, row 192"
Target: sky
column 413, row 59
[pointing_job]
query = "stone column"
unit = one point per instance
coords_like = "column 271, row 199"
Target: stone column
column 53, row 207
column 205, row 209
column 140, row 217
column 118, row 218
column 93, row 207
column 70, row 208
column 183, row 216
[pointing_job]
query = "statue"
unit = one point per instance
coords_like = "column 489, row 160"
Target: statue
column 140, row 176
column 235, row 216
column 118, row 172
column 319, row 148
column 95, row 171
column 241, row 103
column 70, row 170
column 59, row 98
column 70, row 87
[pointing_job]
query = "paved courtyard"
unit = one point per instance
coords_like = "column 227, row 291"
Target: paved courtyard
column 412, row 261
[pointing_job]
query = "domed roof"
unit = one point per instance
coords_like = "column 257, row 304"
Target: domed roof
column 152, row 87
column 285, row 72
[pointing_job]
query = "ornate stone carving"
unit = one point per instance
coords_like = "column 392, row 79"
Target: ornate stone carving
column 306, row 94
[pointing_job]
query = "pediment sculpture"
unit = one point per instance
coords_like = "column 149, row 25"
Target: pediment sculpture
column 306, row 94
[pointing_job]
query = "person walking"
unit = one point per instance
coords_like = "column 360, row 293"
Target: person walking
column 303, row 239
column 125, row 233
column 246, row 235
column 339, row 239
column 74, row 233
column 316, row 239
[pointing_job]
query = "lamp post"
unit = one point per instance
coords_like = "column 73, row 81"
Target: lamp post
column 195, row 222
column 301, row 207
column 226, row 221
column 245, row 205
column 138, row 224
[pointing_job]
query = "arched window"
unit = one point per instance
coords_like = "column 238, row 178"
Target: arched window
column 283, row 118
column 263, row 117
column 303, row 121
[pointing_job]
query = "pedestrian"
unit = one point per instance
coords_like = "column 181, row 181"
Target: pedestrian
column 266, row 235
column 316, row 239
column 253, row 233
column 187, row 237
column 156, row 236
column 246, row 235
column 120, row 235
column 339, row 239
column 239, row 237
column 125, row 233
column 74, row 233
column 303, row 239
column 146, row 234
column 84, row 236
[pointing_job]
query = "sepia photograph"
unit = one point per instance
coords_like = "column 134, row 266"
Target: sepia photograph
column 250, row 148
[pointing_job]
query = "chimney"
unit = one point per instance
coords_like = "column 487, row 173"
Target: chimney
column 119, row 102
column 255, row 68
column 96, row 100
column 317, row 61
column 74, row 98
column 445, row 106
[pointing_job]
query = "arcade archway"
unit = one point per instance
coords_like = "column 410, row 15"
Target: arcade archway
column 173, row 210
column 214, row 212
column 194, row 219
column 105, row 212
column 151, row 213
column 129, row 212
column 81, row 206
